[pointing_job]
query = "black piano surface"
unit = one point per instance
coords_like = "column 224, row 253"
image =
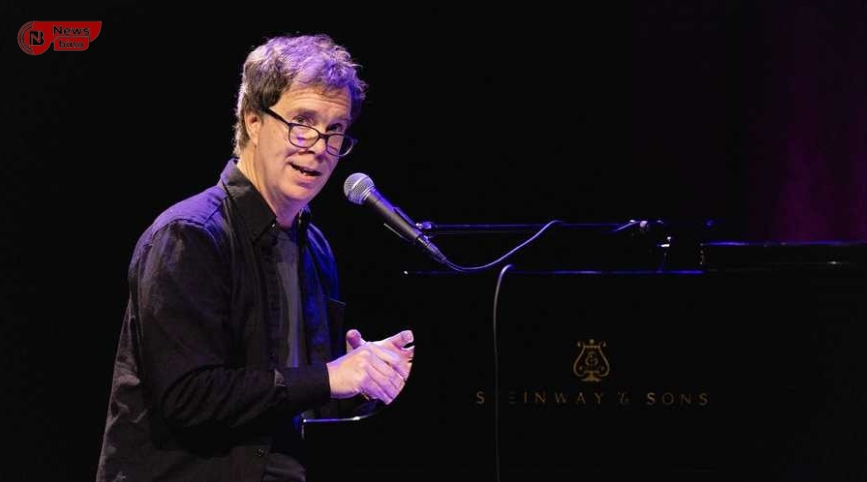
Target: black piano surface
column 726, row 361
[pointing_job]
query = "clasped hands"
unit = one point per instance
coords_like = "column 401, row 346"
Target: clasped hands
column 376, row 370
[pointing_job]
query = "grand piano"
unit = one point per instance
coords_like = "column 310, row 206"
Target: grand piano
column 600, row 354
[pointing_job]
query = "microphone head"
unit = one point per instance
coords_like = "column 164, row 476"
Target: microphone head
column 357, row 187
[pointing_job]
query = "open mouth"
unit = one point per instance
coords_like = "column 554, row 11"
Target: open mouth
column 305, row 171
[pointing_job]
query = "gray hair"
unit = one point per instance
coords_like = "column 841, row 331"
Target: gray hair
column 274, row 66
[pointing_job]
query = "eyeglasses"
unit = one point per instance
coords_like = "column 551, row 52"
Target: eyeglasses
column 304, row 136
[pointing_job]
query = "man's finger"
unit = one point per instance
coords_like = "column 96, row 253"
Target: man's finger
column 399, row 340
column 387, row 355
column 400, row 361
column 354, row 339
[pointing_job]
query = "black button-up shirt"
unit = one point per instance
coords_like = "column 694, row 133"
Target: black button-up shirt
column 197, row 389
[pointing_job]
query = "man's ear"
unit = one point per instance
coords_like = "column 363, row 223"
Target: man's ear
column 253, row 123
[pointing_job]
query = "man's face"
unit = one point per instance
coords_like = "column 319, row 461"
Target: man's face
column 289, row 177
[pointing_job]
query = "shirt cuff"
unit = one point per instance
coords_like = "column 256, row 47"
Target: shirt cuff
column 306, row 386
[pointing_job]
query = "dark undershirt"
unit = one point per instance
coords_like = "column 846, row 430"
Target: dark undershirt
column 283, row 462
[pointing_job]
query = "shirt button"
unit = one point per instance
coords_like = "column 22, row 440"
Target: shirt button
column 260, row 452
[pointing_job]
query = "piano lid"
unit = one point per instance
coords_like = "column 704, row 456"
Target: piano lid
column 646, row 245
column 733, row 255
column 629, row 245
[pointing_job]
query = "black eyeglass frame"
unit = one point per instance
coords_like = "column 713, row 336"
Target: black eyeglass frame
column 346, row 138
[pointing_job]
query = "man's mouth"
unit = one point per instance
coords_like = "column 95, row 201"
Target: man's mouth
column 305, row 171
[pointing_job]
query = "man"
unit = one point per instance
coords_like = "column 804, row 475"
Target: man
column 233, row 327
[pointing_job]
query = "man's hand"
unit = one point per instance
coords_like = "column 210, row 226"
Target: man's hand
column 375, row 370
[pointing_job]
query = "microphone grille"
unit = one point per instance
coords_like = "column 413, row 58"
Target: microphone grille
column 357, row 187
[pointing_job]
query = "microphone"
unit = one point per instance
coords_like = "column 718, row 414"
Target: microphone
column 359, row 189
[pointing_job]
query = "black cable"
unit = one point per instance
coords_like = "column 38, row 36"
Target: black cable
column 474, row 269
column 497, row 373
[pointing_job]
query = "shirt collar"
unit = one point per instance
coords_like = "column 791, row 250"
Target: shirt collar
column 260, row 219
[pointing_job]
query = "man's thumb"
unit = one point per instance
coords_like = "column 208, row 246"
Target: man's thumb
column 354, row 339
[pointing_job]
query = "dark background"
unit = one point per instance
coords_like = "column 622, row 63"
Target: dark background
column 751, row 114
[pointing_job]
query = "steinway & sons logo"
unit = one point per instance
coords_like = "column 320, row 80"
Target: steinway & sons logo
column 591, row 366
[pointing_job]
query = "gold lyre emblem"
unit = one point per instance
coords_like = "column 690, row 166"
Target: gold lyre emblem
column 591, row 364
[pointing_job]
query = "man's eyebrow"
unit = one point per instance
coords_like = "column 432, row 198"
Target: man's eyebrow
column 305, row 112
column 312, row 114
